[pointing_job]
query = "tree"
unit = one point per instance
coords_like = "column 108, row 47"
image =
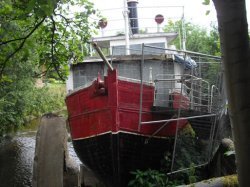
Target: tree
column 48, row 26
column 14, row 93
column 198, row 39
column 234, row 38
column 201, row 40
column 38, row 38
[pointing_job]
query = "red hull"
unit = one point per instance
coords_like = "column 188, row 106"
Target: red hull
column 113, row 106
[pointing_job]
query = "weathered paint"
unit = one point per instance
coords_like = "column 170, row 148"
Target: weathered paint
column 112, row 106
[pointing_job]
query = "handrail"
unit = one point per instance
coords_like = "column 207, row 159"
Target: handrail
column 198, row 90
column 185, row 51
column 159, row 129
column 181, row 118
column 181, row 75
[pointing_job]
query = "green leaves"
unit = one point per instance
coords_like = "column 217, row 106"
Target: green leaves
column 207, row 12
column 5, row 8
column 38, row 38
column 151, row 178
column 41, row 8
column 198, row 39
column 19, row 98
column 206, row 2
column 6, row 78
column 50, row 28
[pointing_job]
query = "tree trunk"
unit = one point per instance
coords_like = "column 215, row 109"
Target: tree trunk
column 234, row 38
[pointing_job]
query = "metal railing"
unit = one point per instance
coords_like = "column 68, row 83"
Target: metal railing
column 146, row 18
column 199, row 96
column 195, row 91
column 215, row 100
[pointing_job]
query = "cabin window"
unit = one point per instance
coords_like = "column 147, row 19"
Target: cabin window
column 85, row 73
column 131, row 69
column 128, row 69
column 136, row 49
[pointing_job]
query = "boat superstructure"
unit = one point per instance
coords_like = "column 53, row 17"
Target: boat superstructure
column 129, row 115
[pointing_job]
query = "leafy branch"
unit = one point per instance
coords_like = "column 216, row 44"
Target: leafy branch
column 3, row 65
column 56, row 41
column 53, row 61
column 68, row 21
column 33, row 44
column 27, row 36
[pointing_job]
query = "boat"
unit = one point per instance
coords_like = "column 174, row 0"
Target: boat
column 125, row 114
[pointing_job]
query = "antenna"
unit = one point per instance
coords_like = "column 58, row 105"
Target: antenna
column 183, row 31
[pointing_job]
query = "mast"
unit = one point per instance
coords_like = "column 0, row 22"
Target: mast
column 125, row 14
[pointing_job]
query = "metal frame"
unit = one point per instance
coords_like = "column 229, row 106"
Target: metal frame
column 195, row 82
column 182, row 80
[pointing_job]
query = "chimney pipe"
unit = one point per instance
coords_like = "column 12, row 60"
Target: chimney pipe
column 133, row 17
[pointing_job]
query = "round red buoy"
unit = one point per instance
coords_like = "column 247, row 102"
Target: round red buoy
column 103, row 23
column 159, row 18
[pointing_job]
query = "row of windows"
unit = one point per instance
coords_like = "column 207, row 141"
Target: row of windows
column 86, row 72
column 136, row 49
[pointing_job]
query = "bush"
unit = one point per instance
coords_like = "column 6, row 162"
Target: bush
column 20, row 105
column 152, row 178
column 47, row 99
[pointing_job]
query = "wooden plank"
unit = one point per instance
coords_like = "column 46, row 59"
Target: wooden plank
column 49, row 153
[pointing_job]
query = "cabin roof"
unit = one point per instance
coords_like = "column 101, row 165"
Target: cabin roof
column 105, row 40
column 163, row 57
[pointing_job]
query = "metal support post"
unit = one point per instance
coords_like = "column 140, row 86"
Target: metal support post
column 176, row 130
column 141, row 88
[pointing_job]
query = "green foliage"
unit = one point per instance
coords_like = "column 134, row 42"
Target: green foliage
column 152, row 178
column 189, row 150
column 206, row 2
column 201, row 40
column 186, row 155
column 14, row 93
column 20, row 105
column 211, row 73
column 19, row 98
column 47, row 99
column 198, row 39
column 38, row 38
column 185, row 158
column 56, row 33
column 155, row 178
column 191, row 174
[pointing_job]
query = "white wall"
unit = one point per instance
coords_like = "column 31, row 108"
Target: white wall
column 178, row 70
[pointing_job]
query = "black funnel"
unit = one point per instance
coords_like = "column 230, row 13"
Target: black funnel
column 133, row 17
